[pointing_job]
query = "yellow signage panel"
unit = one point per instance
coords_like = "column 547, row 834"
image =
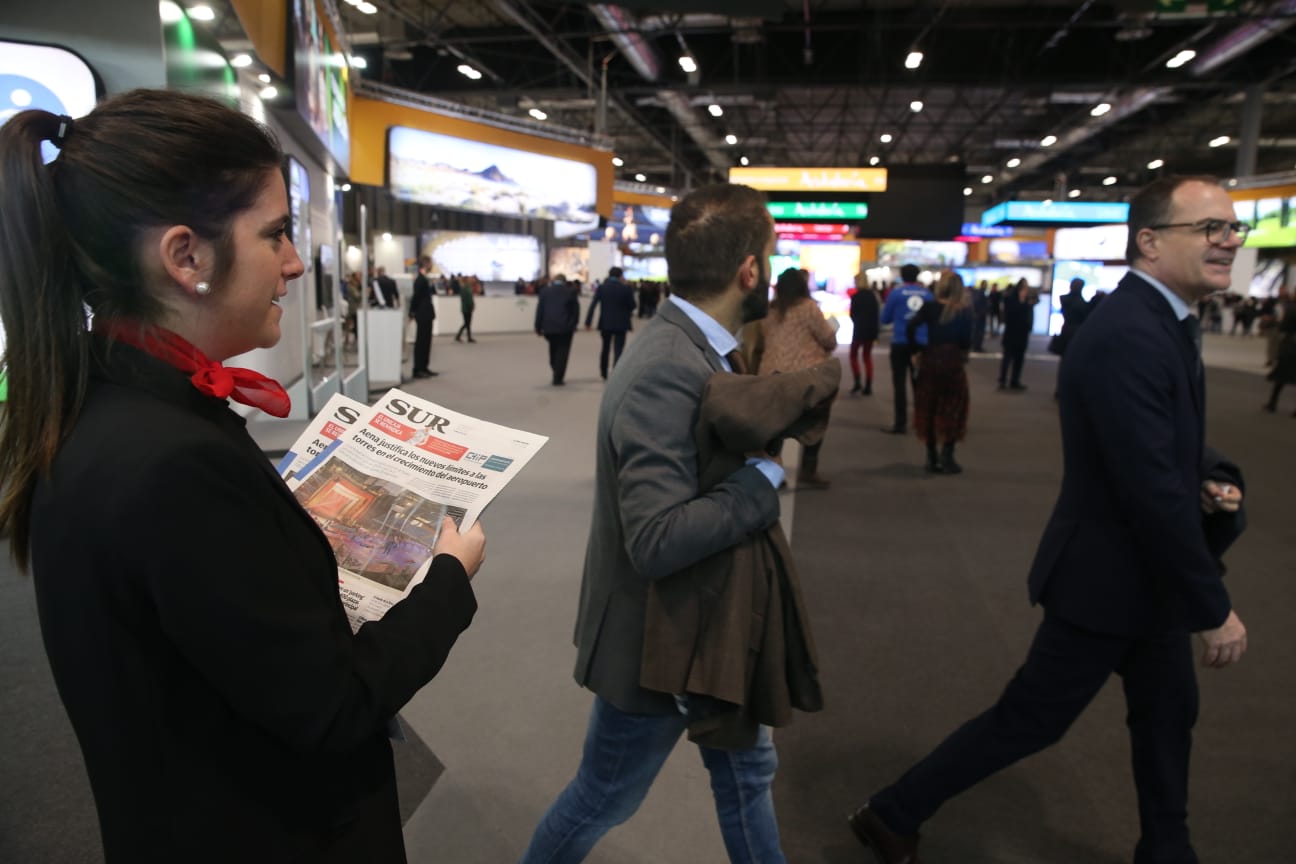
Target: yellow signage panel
column 811, row 179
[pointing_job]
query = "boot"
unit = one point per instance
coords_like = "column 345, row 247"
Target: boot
column 856, row 388
column 933, row 465
column 948, row 465
column 868, row 388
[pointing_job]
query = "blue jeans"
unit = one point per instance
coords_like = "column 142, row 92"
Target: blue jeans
column 623, row 754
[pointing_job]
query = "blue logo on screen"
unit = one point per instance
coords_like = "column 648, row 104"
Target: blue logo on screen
column 18, row 93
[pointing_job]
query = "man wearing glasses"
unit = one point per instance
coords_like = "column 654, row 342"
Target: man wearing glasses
column 1128, row 566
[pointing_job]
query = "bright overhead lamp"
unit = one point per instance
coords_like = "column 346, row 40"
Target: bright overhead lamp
column 1074, row 193
column 1181, row 58
column 885, row 138
column 641, row 177
column 873, row 160
column 241, row 61
column 1048, row 140
column 688, row 64
column 1047, row 202
column 1220, row 141
column 169, row 12
column 618, row 161
column 989, row 178
column 1100, row 109
column 661, row 190
column 1014, row 162
column 1110, row 181
column 915, row 106
column 1155, row 164
column 358, row 62
column 967, row 190
column 469, row 72
column 731, row 139
column 202, row 13
column 387, row 236
column 345, row 187
column 367, row 8
column 744, row 161
column 538, row 114
column 914, row 60
column 268, row 93
column 715, row 110
column 264, row 78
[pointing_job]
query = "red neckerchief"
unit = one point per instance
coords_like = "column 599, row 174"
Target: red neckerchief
column 209, row 376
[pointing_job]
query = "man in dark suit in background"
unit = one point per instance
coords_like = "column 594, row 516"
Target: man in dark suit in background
column 617, row 300
column 423, row 311
column 385, row 294
column 1128, row 566
column 557, row 314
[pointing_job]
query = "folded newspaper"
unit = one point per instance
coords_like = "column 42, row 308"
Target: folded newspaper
column 379, row 481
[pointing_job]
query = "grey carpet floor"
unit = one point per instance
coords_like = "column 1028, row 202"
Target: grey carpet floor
column 916, row 586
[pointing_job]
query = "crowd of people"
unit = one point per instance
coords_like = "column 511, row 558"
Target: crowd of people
column 220, row 723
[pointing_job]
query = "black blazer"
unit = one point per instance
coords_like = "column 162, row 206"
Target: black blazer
column 191, row 615
column 616, row 299
column 421, row 304
column 1127, row 550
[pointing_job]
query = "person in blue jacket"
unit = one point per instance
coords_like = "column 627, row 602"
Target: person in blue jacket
column 902, row 304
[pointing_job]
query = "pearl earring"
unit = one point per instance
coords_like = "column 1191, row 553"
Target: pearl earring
column 202, row 289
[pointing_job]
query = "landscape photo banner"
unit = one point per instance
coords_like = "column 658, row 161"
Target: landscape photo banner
column 460, row 174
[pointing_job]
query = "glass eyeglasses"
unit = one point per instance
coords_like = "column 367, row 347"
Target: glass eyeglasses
column 1217, row 230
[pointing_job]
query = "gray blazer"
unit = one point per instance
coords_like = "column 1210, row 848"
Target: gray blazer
column 650, row 519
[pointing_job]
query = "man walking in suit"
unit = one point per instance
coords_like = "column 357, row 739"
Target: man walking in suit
column 1128, row 566
column 651, row 521
column 557, row 314
column 618, row 305
column 423, row 311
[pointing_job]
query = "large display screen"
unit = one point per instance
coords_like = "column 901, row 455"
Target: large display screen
column 894, row 253
column 570, row 261
column 1056, row 212
column 811, row 179
column 489, row 257
column 636, row 229
column 459, row 174
column 321, row 81
column 921, row 202
column 831, row 210
column 1272, row 221
column 1100, row 243
column 1097, row 277
column 1009, row 251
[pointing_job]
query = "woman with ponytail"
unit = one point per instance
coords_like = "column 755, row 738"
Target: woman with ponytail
column 188, row 604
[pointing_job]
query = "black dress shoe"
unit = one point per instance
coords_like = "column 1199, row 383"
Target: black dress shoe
column 887, row 846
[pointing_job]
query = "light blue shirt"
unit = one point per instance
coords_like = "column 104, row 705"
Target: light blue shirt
column 722, row 342
column 1177, row 303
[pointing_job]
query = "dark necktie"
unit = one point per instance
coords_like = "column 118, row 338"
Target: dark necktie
column 736, row 362
column 1192, row 326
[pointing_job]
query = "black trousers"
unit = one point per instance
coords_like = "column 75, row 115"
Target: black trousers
column 902, row 374
column 422, row 343
column 1014, row 355
column 467, row 325
column 614, row 339
column 559, row 350
column 1064, row 670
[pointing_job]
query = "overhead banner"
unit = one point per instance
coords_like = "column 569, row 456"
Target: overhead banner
column 459, row 174
column 818, row 209
column 811, row 179
column 1080, row 212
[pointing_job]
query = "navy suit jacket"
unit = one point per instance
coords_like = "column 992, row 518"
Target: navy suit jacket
column 1128, row 550
column 616, row 299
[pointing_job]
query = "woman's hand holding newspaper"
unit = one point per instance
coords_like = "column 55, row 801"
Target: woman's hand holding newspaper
column 469, row 547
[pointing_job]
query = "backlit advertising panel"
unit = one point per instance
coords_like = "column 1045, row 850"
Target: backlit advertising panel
column 636, row 228
column 835, row 210
column 321, row 81
column 811, row 179
column 1057, row 212
column 1100, row 243
column 894, row 253
column 1272, row 221
column 489, row 257
column 460, row 174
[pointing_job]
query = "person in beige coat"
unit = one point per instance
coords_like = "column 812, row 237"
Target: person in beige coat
column 796, row 336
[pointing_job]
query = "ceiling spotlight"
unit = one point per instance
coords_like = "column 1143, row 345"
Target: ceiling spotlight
column 915, row 106
column 885, row 138
column 744, row 161
column 169, row 12
column 1048, row 140
column 1155, row 164
column 202, row 13
column 538, row 114
column 387, row 236
column 688, row 64
column 241, row 61
column 914, row 60
column 367, row 8
column 1181, row 58
column 1074, row 193
column 1220, row 141
column 731, row 139
column 641, row 177
column 269, row 93
column 715, row 110
column 1047, row 202
column 358, row 62
column 1014, row 162
column 618, row 161
column 345, row 187
column 967, row 190
column 1100, row 109
column 1110, row 181
column 661, row 190
column 263, row 78
column 873, row 160
column 469, row 72
column 989, row 178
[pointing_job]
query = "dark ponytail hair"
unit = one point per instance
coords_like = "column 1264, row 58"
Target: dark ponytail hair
column 790, row 289
column 71, row 237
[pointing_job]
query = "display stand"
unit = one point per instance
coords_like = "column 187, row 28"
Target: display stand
column 386, row 340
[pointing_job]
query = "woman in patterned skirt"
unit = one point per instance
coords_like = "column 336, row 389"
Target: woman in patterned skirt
column 941, row 393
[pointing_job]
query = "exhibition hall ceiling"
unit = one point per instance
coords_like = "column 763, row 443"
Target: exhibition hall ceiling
column 826, row 83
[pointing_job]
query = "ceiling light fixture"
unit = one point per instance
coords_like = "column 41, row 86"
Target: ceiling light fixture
column 989, row 178
column 873, row 160
column 1100, row 109
column 885, row 138
column 641, row 177
column 367, row 8
column 538, row 114
column 618, row 161
column 469, row 72
column 1048, row 140
column 1014, row 162
column 744, row 161
column 715, row 110
column 688, row 64
column 914, row 60
column 346, row 187
column 1047, row 202
column 387, row 236
column 1181, row 58
column 1220, row 141
column 1110, row 181
column 731, row 139
column 1074, row 193
column 661, row 190
column 169, row 12
column 967, row 190
column 358, row 62
column 1155, row 164
column 263, row 78
column 241, row 61
column 915, row 106
column 202, row 13
column 268, row 93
